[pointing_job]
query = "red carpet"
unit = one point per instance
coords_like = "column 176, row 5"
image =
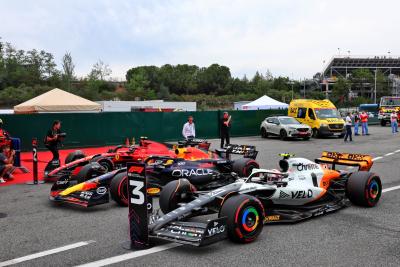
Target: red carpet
column 44, row 157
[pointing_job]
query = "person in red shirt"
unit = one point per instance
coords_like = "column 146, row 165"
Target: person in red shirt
column 364, row 123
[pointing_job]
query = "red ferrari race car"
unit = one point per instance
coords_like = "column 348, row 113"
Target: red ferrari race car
column 117, row 157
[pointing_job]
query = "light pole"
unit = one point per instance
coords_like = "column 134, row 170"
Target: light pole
column 339, row 50
column 291, row 82
column 376, row 70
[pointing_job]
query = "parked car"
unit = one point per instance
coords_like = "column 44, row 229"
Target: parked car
column 284, row 127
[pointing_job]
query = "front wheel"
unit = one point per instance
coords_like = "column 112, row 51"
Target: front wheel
column 245, row 218
column 77, row 154
column 283, row 135
column 383, row 123
column 264, row 133
column 315, row 133
column 175, row 192
column 364, row 188
column 119, row 189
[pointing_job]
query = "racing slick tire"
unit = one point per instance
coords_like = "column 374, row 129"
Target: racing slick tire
column 175, row 192
column 244, row 166
column 105, row 162
column 283, row 135
column 77, row 154
column 364, row 188
column 119, row 189
column 88, row 171
column 306, row 138
column 245, row 218
column 264, row 133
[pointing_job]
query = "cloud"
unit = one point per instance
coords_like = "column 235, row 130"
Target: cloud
column 290, row 38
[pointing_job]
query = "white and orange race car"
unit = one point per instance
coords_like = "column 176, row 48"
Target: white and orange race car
column 301, row 189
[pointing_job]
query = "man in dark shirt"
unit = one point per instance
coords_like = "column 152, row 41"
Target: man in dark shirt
column 52, row 139
column 225, row 126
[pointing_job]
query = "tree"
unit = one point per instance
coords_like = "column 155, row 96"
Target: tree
column 341, row 90
column 100, row 71
column 68, row 70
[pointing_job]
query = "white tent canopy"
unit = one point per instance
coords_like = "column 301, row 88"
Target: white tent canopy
column 57, row 100
column 265, row 102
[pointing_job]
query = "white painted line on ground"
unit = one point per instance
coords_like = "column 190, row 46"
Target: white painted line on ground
column 397, row 151
column 374, row 159
column 389, row 154
column 45, row 253
column 129, row 256
column 390, row 189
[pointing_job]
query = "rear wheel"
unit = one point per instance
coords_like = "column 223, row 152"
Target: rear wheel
column 383, row 123
column 264, row 133
column 283, row 134
column 175, row 192
column 77, row 154
column 364, row 188
column 245, row 218
column 106, row 163
column 119, row 189
column 244, row 166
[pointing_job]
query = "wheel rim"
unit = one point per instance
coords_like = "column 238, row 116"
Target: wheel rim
column 373, row 190
column 106, row 166
column 250, row 219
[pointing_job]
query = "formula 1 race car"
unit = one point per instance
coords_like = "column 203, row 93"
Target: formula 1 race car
column 301, row 189
column 117, row 157
column 90, row 186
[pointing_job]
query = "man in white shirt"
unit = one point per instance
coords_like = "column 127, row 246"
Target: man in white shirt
column 348, row 128
column 188, row 130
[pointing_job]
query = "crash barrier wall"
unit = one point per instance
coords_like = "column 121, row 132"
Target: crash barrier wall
column 112, row 128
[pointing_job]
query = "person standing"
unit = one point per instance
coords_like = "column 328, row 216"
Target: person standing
column 225, row 125
column 364, row 123
column 189, row 131
column 393, row 122
column 52, row 139
column 356, row 122
column 348, row 128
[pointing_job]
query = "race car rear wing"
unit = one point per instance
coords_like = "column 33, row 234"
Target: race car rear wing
column 200, row 143
column 245, row 150
column 175, row 229
column 363, row 162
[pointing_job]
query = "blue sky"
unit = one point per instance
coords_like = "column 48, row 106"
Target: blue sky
column 290, row 38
